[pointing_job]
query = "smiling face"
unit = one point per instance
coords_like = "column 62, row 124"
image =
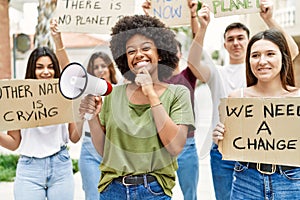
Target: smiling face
column 265, row 60
column 100, row 69
column 236, row 41
column 141, row 52
column 44, row 68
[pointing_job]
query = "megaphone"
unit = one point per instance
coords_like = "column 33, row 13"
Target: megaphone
column 74, row 81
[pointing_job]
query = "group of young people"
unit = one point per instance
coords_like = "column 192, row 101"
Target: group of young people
column 143, row 132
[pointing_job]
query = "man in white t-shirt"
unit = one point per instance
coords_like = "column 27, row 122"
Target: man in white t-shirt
column 223, row 80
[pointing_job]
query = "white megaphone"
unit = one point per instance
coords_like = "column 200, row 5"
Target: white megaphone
column 74, row 81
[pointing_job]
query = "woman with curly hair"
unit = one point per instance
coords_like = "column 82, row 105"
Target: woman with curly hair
column 143, row 125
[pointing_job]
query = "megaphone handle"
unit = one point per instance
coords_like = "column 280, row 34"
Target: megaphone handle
column 88, row 116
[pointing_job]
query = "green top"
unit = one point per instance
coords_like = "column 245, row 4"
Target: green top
column 132, row 145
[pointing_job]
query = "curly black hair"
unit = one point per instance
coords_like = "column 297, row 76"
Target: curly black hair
column 152, row 28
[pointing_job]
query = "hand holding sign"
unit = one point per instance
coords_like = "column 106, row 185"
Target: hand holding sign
column 204, row 15
column 266, row 7
column 263, row 130
column 222, row 8
column 218, row 133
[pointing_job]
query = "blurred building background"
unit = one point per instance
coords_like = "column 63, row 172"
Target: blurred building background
column 23, row 17
column 29, row 17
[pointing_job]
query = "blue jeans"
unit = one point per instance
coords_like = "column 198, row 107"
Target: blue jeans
column 251, row 184
column 40, row 178
column 222, row 173
column 188, row 170
column 89, row 163
column 148, row 191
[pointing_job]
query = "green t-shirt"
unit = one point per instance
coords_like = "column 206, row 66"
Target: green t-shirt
column 132, row 145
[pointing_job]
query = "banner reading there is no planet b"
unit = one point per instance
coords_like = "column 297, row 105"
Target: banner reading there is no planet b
column 91, row 16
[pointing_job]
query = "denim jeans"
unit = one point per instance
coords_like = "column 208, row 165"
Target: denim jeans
column 149, row 191
column 222, row 173
column 40, row 178
column 89, row 162
column 188, row 170
column 251, row 184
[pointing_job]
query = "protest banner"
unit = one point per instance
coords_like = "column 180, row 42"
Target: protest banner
column 91, row 16
column 221, row 8
column 261, row 130
column 172, row 12
column 32, row 103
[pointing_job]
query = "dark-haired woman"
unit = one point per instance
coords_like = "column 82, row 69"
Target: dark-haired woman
column 44, row 169
column 269, row 74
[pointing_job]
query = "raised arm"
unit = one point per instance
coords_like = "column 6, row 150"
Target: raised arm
column 267, row 15
column 60, row 48
column 193, row 5
column 146, row 6
column 199, row 68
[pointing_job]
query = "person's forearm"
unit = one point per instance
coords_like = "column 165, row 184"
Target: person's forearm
column 194, row 23
column 11, row 140
column 172, row 135
column 195, row 56
column 97, row 134
column 60, row 51
column 75, row 131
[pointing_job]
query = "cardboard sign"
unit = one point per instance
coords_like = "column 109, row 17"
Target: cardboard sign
column 91, row 16
column 172, row 12
column 222, row 8
column 262, row 130
column 32, row 103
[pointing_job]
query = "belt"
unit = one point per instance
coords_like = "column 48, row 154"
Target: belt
column 135, row 180
column 190, row 134
column 87, row 134
column 267, row 168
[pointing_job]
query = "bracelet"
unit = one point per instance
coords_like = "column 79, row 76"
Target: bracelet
column 60, row 49
column 156, row 105
column 194, row 16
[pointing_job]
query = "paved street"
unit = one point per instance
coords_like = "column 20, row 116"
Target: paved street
column 205, row 189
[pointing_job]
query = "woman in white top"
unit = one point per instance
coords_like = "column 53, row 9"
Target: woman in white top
column 44, row 169
column 269, row 73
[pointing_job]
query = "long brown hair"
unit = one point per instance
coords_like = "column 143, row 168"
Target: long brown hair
column 107, row 61
column 287, row 71
column 35, row 55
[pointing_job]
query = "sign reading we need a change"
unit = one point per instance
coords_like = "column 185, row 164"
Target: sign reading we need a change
column 261, row 130
column 32, row 103
column 221, row 8
column 91, row 16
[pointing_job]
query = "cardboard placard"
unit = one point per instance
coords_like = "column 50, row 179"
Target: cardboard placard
column 32, row 103
column 172, row 12
column 262, row 130
column 91, row 16
column 221, row 8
